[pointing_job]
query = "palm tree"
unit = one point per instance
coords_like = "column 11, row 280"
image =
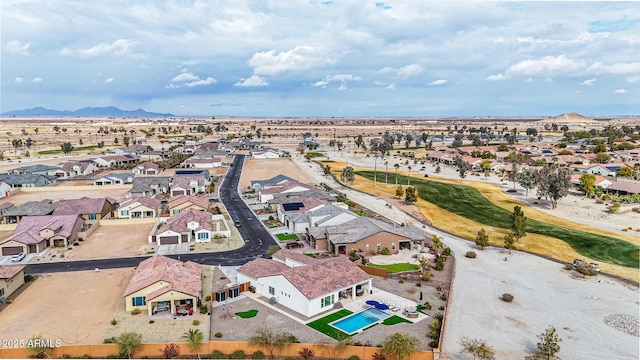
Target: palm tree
column 409, row 177
column 194, row 339
column 437, row 243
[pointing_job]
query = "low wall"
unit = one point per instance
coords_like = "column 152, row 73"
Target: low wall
column 8, row 227
column 84, row 235
column 374, row 271
column 226, row 347
column 73, row 188
column 121, row 222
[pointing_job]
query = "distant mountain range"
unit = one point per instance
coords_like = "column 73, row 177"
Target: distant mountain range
column 109, row 111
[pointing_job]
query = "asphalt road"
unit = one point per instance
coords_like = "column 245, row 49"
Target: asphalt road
column 256, row 237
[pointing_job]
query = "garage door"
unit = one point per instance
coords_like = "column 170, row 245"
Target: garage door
column 11, row 250
column 168, row 240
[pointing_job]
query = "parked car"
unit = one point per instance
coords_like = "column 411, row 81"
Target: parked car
column 18, row 257
column 237, row 223
column 294, row 244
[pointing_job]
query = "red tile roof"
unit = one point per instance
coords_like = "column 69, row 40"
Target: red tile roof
column 84, row 205
column 29, row 227
column 178, row 223
column 9, row 271
column 195, row 200
column 182, row 277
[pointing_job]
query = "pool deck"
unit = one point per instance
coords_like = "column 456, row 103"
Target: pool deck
column 355, row 305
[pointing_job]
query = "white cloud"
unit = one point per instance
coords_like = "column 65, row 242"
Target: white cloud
column 20, row 80
column 298, row 59
column 547, row 66
column 633, row 79
column 189, row 79
column 16, row 47
column 252, row 81
column 36, row 80
column 119, row 47
column 529, row 80
column 404, row 72
column 620, row 91
column 630, row 70
column 437, row 82
column 588, row 82
column 109, row 80
column 341, row 78
column 391, row 87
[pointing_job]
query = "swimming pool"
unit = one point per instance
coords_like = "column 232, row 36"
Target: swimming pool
column 356, row 322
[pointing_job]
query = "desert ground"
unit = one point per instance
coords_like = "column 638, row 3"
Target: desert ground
column 74, row 307
column 64, row 192
column 262, row 169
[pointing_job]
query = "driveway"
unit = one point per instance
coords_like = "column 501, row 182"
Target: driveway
column 173, row 249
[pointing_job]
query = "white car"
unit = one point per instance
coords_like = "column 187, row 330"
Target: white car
column 18, row 257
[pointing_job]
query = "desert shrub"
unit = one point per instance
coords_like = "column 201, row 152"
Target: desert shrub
column 196, row 322
column 418, row 284
column 217, row 354
column 28, row 278
column 114, row 322
column 271, row 217
column 506, row 297
column 110, row 340
column 203, row 309
column 354, row 357
column 470, row 254
column 171, row 351
column 135, row 311
column 238, row 354
column 257, row 355
column 568, row 267
column 426, row 276
column 426, row 306
column 306, row 353
column 512, row 190
column 65, row 356
column 441, row 308
column 385, row 251
column 443, row 297
column 377, row 356
column 218, row 335
column 433, row 343
column 585, row 271
column 401, row 281
column 625, row 229
column 207, row 298
column 151, row 321
column 446, row 252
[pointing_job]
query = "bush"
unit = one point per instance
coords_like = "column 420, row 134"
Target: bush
column 65, row 356
column 568, row 267
column 151, row 321
column 257, row 355
column 426, row 306
column 401, row 281
column 218, row 335
column 204, row 309
column 28, row 278
column 385, row 251
column 207, row 298
column 418, row 284
column 443, row 297
column 135, row 311
column 379, row 356
column 506, row 297
column 441, row 308
column 171, row 351
column 196, row 322
column 470, row 254
column 114, row 322
column 426, row 276
column 238, row 354
column 433, row 343
column 354, row 357
column 217, row 354
column 110, row 340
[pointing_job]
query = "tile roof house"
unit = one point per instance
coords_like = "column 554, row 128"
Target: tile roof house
column 109, row 161
column 600, row 182
column 267, row 153
column 38, row 169
column 181, row 203
column 164, row 285
column 139, row 207
column 88, row 208
column 36, row 233
column 258, row 184
column 364, row 234
column 31, row 208
column 27, row 180
column 75, row 168
column 268, row 191
column 202, row 162
column 624, row 188
column 189, row 226
column 303, row 284
column 326, row 215
column 149, row 186
column 113, row 179
column 188, row 185
column 11, row 278
column 147, row 169
column 3, row 209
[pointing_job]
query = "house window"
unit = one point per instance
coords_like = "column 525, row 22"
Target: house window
column 366, row 246
column 202, row 236
column 327, row 301
column 124, row 212
column 176, row 211
column 92, row 216
column 272, row 291
column 138, row 301
column 393, row 246
column 148, row 213
column 379, row 246
column 1, row 291
column 136, row 214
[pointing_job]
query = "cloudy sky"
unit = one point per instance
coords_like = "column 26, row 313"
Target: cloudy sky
column 343, row 58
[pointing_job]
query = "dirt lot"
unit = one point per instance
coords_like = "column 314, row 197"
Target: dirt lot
column 74, row 307
column 261, row 169
column 64, row 192
column 114, row 241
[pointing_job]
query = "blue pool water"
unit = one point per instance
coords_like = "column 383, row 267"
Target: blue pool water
column 361, row 320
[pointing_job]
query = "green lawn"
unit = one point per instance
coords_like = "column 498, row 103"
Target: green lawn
column 287, row 237
column 395, row 320
column 273, row 226
column 471, row 204
column 396, row 268
column 316, row 154
column 247, row 314
column 323, row 326
column 75, row 149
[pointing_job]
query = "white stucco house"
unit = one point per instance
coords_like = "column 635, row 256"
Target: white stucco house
column 303, row 284
column 190, row 226
column 267, row 192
